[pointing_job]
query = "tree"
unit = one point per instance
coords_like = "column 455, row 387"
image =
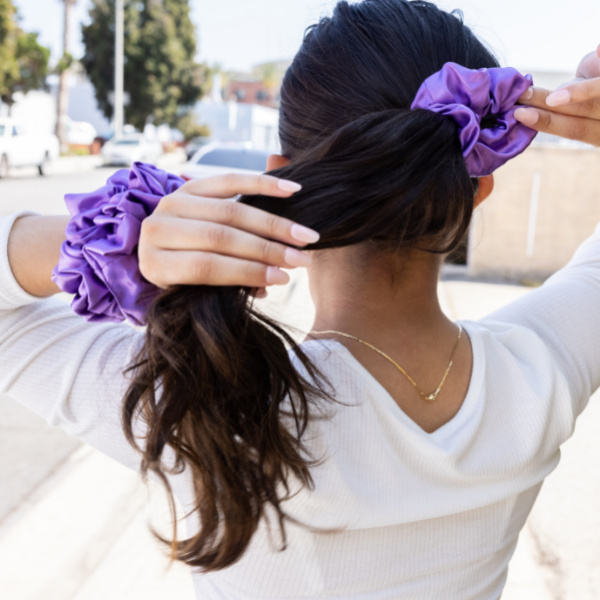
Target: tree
column 32, row 67
column 189, row 126
column 23, row 60
column 161, row 73
column 9, row 68
column 271, row 73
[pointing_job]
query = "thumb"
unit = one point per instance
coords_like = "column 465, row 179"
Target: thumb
column 589, row 67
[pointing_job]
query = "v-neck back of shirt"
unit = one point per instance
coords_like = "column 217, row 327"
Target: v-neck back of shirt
column 441, row 433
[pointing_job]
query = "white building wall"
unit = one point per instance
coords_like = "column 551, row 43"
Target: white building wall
column 83, row 106
column 238, row 122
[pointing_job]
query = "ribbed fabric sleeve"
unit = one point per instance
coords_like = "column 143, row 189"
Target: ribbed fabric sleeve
column 66, row 370
column 565, row 314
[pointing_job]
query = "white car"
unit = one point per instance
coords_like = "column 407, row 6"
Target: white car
column 21, row 149
column 218, row 158
column 130, row 148
column 80, row 133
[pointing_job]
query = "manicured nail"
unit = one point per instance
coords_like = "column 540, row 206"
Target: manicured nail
column 288, row 186
column 527, row 116
column 276, row 276
column 304, row 234
column 527, row 94
column 559, row 98
column 295, row 258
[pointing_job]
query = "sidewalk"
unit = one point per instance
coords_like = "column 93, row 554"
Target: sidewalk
column 83, row 533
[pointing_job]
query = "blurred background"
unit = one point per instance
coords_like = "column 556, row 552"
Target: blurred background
column 89, row 86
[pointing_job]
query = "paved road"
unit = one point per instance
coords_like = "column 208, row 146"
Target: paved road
column 25, row 189
column 46, row 194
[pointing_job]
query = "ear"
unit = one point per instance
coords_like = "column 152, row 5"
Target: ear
column 486, row 187
column 276, row 161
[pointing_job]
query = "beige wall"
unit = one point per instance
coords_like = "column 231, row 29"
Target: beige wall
column 568, row 211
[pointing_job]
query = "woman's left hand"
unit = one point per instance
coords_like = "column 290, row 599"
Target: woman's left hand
column 572, row 111
column 196, row 237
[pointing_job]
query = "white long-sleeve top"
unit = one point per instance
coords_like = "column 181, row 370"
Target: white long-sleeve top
column 421, row 516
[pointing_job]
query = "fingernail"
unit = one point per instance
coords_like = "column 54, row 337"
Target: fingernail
column 527, row 94
column 288, row 186
column 527, row 116
column 276, row 277
column 558, row 98
column 295, row 258
column 261, row 293
column 304, row 234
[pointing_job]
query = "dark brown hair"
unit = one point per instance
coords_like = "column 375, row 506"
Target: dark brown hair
column 214, row 381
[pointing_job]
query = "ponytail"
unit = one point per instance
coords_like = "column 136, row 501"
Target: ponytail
column 214, row 381
column 224, row 377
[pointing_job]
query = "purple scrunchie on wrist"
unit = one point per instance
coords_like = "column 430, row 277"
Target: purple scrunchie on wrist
column 98, row 261
column 467, row 96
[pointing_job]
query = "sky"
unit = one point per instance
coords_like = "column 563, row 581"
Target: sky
column 531, row 35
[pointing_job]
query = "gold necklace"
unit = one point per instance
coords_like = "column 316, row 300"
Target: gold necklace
column 428, row 397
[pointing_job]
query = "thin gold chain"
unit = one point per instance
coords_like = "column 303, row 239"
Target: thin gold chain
column 429, row 397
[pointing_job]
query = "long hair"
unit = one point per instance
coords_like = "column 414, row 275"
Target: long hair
column 214, row 381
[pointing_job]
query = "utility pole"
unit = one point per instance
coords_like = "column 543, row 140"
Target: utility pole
column 62, row 101
column 119, row 72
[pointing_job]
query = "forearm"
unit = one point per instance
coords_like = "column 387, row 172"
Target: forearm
column 33, row 252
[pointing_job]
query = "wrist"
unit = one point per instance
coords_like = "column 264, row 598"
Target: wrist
column 33, row 251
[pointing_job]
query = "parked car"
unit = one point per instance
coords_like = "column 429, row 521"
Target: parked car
column 80, row 133
column 217, row 158
column 21, row 149
column 129, row 148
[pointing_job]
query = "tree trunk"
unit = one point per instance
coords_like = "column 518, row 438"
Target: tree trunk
column 62, row 103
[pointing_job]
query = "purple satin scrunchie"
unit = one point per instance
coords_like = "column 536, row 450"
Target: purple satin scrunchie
column 98, row 261
column 467, row 96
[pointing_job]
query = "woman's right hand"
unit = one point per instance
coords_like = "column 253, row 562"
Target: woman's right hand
column 198, row 237
column 572, row 111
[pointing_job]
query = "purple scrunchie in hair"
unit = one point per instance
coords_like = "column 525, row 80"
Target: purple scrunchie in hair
column 467, row 96
column 98, row 261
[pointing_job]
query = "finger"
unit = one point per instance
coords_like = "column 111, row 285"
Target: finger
column 582, row 91
column 187, row 234
column 538, row 96
column 241, row 216
column 232, row 184
column 572, row 128
column 206, row 268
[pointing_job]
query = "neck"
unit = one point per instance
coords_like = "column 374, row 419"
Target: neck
column 385, row 298
column 391, row 302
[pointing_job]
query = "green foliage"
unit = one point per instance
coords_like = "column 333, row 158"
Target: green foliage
column 271, row 73
column 32, row 59
column 66, row 62
column 23, row 60
column 188, row 124
column 9, row 69
column 161, row 73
